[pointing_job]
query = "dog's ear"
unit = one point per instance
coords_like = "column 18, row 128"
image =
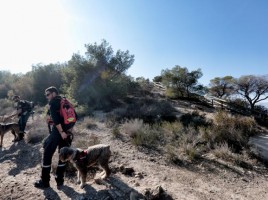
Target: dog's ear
column 61, row 150
column 65, row 153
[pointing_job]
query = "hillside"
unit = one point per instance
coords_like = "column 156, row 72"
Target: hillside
column 206, row 178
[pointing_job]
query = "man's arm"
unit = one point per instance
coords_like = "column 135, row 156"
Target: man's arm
column 62, row 133
column 17, row 113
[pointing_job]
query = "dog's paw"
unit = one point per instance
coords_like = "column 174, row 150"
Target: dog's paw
column 104, row 176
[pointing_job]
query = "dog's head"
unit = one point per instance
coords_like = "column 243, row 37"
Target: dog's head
column 66, row 154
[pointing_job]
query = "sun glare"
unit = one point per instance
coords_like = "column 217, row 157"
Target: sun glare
column 32, row 31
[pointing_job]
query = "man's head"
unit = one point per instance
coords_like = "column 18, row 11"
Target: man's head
column 51, row 92
column 16, row 98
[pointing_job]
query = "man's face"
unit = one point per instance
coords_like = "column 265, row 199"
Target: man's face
column 49, row 95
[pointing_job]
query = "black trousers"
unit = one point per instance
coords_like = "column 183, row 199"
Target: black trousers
column 50, row 145
column 23, row 121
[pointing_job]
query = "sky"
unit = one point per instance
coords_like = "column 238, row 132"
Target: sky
column 222, row 38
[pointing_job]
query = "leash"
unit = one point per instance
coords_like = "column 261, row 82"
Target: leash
column 71, row 137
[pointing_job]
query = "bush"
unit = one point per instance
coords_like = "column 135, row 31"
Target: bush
column 148, row 136
column 232, row 129
column 132, row 127
column 116, row 132
column 7, row 106
column 222, row 151
column 83, row 111
column 147, row 109
column 173, row 130
column 193, row 119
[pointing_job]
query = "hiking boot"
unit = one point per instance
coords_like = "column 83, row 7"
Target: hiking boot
column 59, row 185
column 21, row 136
column 40, row 184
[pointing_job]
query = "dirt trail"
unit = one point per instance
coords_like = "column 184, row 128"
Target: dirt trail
column 20, row 166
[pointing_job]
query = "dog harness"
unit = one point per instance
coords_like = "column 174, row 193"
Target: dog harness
column 81, row 156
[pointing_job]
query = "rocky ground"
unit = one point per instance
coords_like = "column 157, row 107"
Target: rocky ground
column 135, row 170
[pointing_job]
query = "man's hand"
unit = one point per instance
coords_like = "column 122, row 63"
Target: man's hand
column 63, row 135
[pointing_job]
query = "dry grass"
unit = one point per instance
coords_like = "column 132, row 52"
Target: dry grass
column 6, row 106
column 232, row 129
column 173, row 130
column 87, row 123
column 223, row 151
column 84, row 142
column 116, row 132
column 132, row 127
column 187, row 144
column 38, row 130
column 142, row 134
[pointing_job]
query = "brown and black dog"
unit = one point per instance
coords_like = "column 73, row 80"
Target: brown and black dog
column 97, row 154
column 5, row 128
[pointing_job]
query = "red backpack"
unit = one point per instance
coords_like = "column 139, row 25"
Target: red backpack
column 67, row 111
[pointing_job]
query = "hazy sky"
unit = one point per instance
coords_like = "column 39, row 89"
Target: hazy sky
column 222, row 37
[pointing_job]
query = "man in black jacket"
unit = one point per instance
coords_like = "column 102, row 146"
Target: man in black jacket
column 24, row 110
column 60, row 137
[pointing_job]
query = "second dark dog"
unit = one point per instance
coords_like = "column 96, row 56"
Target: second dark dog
column 5, row 128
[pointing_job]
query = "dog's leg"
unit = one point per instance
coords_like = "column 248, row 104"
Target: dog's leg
column 104, row 164
column 102, row 173
column 14, row 133
column 2, row 136
column 78, row 177
column 83, row 177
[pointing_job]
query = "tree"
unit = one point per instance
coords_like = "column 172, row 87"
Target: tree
column 6, row 81
column 23, row 86
column 43, row 77
column 253, row 88
column 98, row 76
column 221, row 86
column 182, row 80
column 157, row 79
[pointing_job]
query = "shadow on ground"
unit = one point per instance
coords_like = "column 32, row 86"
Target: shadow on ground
column 111, row 189
column 23, row 155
